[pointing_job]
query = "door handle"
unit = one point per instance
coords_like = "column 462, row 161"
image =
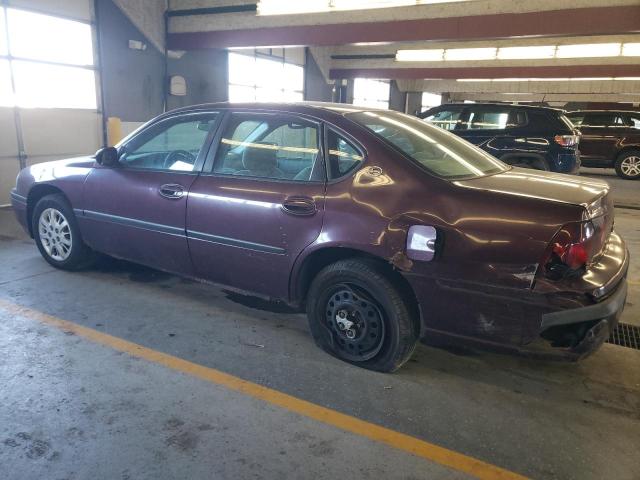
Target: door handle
column 171, row 191
column 299, row 206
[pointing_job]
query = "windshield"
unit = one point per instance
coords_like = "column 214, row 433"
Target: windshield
column 439, row 152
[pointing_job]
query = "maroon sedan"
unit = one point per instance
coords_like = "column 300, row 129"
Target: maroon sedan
column 384, row 228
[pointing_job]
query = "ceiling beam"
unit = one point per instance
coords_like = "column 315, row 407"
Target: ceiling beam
column 577, row 21
column 569, row 71
column 547, row 97
column 587, row 87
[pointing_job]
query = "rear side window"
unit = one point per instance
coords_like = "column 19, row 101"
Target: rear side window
column 441, row 153
column 603, row 120
column 343, row 155
column 447, row 119
column 270, row 146
column 548, row 121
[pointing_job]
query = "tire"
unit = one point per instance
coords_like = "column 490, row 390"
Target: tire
column 55, row 230
column 627, row 165
column 383, row 332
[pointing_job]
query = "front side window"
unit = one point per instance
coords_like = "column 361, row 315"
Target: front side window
column 172, row 145
column 270, row 146
column 487, row 119
column 576, row 118
column 447, row 119
column 440, row 153
column 634, row 121
column 343, row 155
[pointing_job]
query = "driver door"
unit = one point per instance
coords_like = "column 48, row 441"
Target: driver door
column 136, row 210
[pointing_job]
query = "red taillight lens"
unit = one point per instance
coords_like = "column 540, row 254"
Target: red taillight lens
column 577, row 256
column 569, row 251
column 567, row 140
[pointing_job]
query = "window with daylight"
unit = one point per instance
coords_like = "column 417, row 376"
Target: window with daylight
column 6, row 92
column 258, row 78
column 54, row 73
column 3, row 34
column 430, row 100
column 371, row 93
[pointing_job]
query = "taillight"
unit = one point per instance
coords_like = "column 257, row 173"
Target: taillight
column 567, row 140
column 570, row 250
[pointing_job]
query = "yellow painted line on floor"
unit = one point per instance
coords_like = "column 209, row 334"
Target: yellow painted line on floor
column 400, row 441
column 635, row 283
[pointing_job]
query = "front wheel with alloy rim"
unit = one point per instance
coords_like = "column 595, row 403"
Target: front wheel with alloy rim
column 358, row 315
column 56, row 233
column 628, row 165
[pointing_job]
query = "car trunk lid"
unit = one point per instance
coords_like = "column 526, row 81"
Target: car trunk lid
column 592, row 195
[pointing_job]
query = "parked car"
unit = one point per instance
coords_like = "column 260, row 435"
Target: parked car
column 524, row 136
column 610, row 139
column 384, row 228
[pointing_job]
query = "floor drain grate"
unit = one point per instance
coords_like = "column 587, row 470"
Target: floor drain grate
column 626, row 335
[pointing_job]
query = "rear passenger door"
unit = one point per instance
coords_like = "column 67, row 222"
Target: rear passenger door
column 259, row 201
column 600, row 133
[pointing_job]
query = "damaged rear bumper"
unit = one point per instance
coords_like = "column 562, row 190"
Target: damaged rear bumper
column 581, row 331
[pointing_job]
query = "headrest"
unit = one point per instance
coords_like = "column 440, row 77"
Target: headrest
column 256, row 159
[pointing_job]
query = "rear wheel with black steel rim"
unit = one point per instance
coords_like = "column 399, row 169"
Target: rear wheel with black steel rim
column 57, row 235
column 358, row 315
column 628, row 165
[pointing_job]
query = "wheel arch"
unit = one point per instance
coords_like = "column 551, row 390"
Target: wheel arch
column 35, row 194
column 626, row 149
column 525, row 156
column 309, row 266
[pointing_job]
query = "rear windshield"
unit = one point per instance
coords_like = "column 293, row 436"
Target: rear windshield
column 436, row 150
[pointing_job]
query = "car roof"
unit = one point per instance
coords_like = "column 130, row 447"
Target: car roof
column 511, row 105
column 603, row 111
column 295, row 107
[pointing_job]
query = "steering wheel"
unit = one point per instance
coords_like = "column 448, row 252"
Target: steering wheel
column 178, row 155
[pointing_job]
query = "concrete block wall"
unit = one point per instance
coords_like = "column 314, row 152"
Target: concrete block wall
column 205, row 72
column 133, row 80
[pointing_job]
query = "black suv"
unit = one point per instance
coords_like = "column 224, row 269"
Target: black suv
column 610, row 139
column 524, row 136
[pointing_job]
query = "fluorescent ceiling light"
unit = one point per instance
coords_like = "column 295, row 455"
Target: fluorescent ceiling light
column 631, row 49
column 585, row 50
column 470, row 53
column 524, row 53
column 432, row 55
column 284, row 7
column 590, row 79
column 588, row 50
column 575, row 79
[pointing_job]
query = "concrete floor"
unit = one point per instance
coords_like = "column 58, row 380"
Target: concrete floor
column 625, row 192
column 71, row 409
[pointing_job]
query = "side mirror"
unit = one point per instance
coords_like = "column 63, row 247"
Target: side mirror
column 107, row 157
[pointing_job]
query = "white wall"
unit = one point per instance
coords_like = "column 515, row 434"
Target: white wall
column 49, row 134
column 53, row 134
